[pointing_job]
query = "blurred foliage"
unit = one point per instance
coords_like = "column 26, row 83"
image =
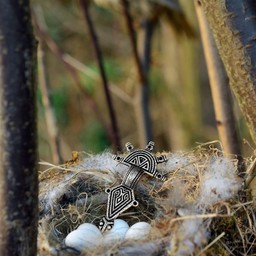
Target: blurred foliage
column 156, row 80
column 59, row 98
column 113, row 70
column 180, row 100
column 93, row 137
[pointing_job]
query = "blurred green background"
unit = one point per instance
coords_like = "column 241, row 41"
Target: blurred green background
column 180, row 101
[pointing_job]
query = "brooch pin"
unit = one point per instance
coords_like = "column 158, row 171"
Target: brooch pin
column 121, row 197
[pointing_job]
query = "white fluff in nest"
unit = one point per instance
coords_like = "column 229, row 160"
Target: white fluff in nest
column 190, row 235
column 195, row 184
column 180, row 162
column 219, row 181
column 103, row 161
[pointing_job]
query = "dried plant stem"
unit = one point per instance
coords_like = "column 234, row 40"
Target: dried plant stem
column 114, row 128
column 89, row 72
column 18, row 131
column 142, row 110
column 221, row 94
column 50, row 119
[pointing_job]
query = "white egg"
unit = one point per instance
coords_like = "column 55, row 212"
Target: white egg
column 85, row 236
column 89, row 226
column 117, row 233
column 138, row 231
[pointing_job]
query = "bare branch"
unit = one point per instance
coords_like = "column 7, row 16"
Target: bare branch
column 142, row 110
column 114, row 128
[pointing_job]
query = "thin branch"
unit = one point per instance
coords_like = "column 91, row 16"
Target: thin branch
column 114, row 128
column 143, row 115
column 221, row 94
column 80, row 66
column 50, row 119
column 211, row 243
column 132, row 34
column 65, row 59
column 149, row 27
column 121, row 94
column 94, row 75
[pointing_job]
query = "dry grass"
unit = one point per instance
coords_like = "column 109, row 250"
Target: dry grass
column 182, row 223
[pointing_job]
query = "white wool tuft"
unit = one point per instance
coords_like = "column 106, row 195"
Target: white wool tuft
column 219, row 181
column 103, row 161
column 179, row 161
column 100, row 162
column 190, row 235
column 53, row 193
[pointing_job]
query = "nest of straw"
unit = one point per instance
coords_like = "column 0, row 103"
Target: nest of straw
column 191, row 213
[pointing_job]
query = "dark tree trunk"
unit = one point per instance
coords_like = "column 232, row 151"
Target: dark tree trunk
column 18, row 136
column 234, row 28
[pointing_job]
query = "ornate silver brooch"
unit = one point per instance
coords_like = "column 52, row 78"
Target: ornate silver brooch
column 121, row 197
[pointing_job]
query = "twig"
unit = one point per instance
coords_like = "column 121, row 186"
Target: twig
column 121, row 94
column 114, row 128
column 242, row 237
column 211, row 243
column 219, row 86
column 94, row 75
column 149, row 27
column 199, row 216
column 227, row 248
column 129, row 22
column 50, row 119
column 251, row 246
column 143, row 115
column 80, row 66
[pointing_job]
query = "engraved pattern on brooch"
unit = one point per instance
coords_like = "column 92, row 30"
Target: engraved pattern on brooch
column 121, row 197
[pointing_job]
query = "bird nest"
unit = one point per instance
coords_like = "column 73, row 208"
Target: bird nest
column 201, row 209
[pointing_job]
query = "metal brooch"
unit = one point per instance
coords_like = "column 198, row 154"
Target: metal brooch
column 121, row 197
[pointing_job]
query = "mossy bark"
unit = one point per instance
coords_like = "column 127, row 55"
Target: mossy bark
column 18, row 136
column 221, row 95
column 234, row 28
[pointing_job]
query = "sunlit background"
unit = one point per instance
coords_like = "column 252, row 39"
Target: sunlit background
column 180, row 104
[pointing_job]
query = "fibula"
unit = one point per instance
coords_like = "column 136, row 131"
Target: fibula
column 121, row 197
